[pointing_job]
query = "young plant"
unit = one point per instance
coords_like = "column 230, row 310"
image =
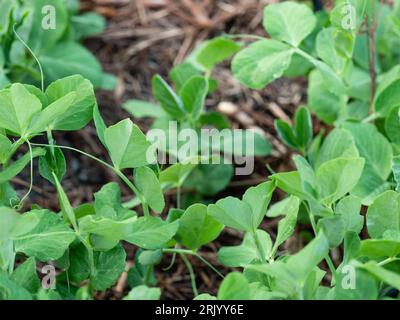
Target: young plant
column 53, row 33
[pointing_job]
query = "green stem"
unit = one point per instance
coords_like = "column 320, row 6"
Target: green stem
column 192, row 253
column 191, row 273
column 31, row 176
column 115, row 170
column 327, row 257
column 387, row 261
column 178, row 196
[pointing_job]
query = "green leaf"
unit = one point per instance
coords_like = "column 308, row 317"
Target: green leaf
column 141, row 109
column 216, row 119
column 99, row 124
column 143, row 293
column 333, row 228
column 127, row 145
column 337, row 177
column 325, row 104
column 234, row 287
column 303, row 127
column 287, row 225
column 25, row 276
column 47, row 240
column 9, row 290
column 304, row 262
column 69, row 58
column 366, row 287
column 378, row 154
column 389, row 277
column 289, row 22
column 197, row 227
column 18, row 108
column 150, row 258
column 233, row 213
column 326, row 50
column 392, row 125
column 209, row 179
column 80, row 112
column 214, row 51
column 66, row 208
column 168, row 99
column 349, row 208
column 247, row 251
column 175, row 175
column 109, row 266
column 258, row 199
column 261, row 63
column 5, row 148
column 87, row 25
column 387, row 93
column 286, row 133
column 384, row 214
column 152, row 233
column 147, row 183
column 17, row 166
column 339, row 143
column 49, row 117
column 193, row 95
column 396, row 171
column 108, row 203
column 50, row 163
column 377, row 248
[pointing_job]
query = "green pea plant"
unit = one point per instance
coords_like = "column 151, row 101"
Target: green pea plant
column 342, row 182
column 340, row 177
column 53, row 31
column 183, row 106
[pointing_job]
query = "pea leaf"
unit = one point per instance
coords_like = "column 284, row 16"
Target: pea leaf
column 349, row 209
column 233, row 213
column 258, row 199
column 81, row 111
column 287, row 224
column 389, row 277
column 247, row 251
column 337, row 177
column 152, row 233
column 261, row 63
column 50, row 163
column 377, row 248
column 143, row 293
column 193, row 95
column 384, row 214
column 214, row 51
column 378, row 154
column 9, row 290
column 25, row 276
column 339, row 143
column 47, row 240
column 141, row 109
column 333, row 228
column 289, row 22
column 197, row 227
column 234, row 287
column 127, row 145
column 168, row 99
column 149, row 186
column 18, row 108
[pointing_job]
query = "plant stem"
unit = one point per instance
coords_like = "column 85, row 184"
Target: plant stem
column 244, row 36
column 178, row 197
column 115, row 170
column 372, row 53
column 328, row 259
column 14, row 149
column 191, row 273
column 192, row 253
column 388, row 260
